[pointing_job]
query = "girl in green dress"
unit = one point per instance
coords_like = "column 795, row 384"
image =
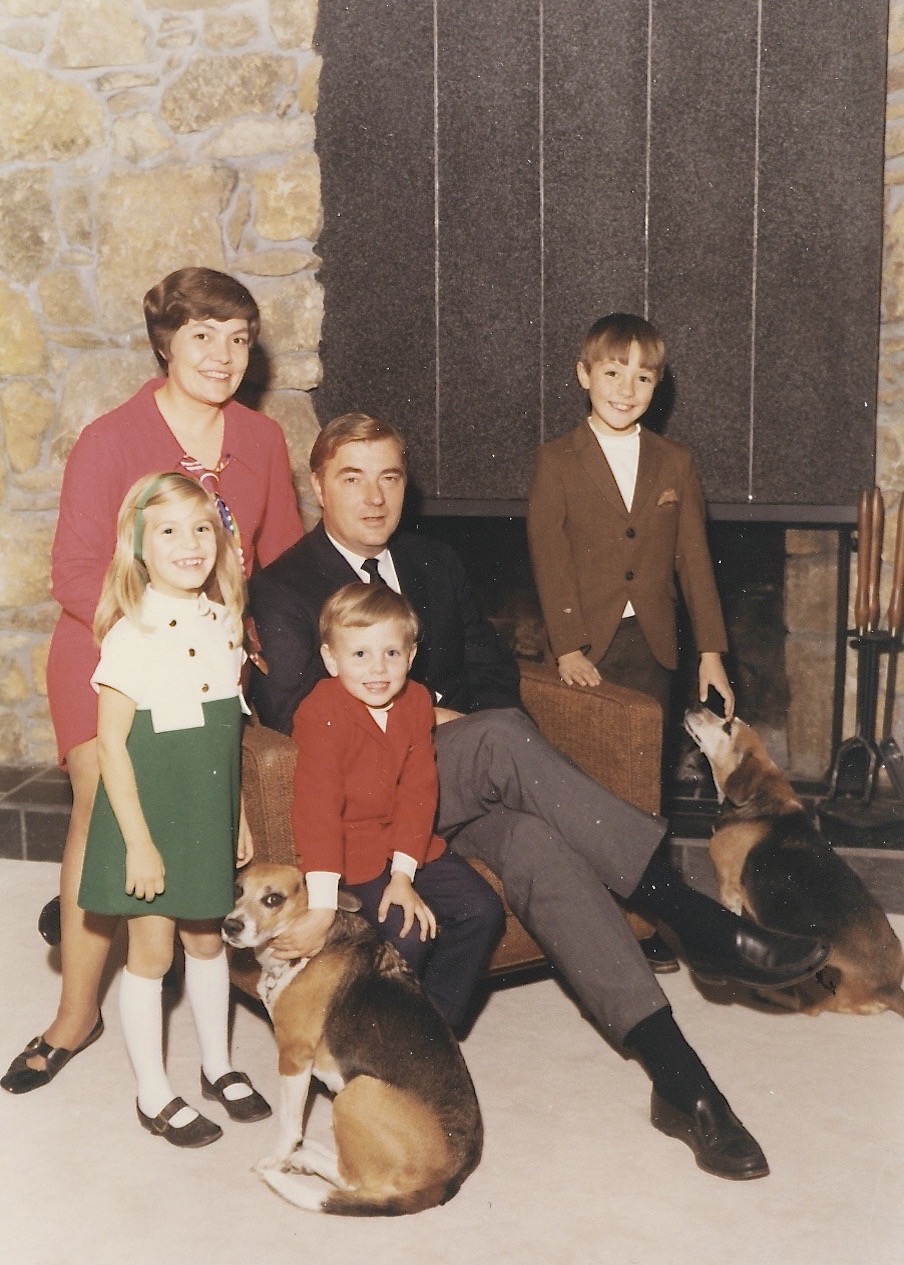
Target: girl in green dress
column 167, row 829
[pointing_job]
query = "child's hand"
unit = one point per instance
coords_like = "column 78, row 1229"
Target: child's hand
column 244, row 848
column 400, row 891
column 712, row 673
column 144, row 872
column 576, row 669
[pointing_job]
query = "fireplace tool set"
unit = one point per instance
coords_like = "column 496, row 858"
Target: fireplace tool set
column 852, row 814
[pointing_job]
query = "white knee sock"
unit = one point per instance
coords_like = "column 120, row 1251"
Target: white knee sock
column 207, row 987
column 141, row 1016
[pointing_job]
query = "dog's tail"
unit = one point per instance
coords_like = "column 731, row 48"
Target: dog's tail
column 308, row 1193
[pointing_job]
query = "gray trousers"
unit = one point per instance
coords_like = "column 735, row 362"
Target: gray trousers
column 561, row 844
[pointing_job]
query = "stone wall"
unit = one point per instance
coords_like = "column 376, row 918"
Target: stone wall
column 136, row 137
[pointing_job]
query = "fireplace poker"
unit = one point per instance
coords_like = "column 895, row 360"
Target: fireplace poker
column 857, row 759
column 891, row 754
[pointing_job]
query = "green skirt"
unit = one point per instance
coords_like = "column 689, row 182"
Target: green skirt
column 188, row 785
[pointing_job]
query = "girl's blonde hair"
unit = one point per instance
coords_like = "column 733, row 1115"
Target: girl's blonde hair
column 127, row 576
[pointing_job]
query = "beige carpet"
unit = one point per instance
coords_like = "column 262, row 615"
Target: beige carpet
column 572, row 1170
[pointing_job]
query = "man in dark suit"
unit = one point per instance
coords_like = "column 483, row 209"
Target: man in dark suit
column 561, row 844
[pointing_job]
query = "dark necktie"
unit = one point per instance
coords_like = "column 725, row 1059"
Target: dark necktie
column 372, row 567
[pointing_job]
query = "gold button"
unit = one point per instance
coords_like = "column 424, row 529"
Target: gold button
column 172, row 623
column 204, row 689
column 192, row 653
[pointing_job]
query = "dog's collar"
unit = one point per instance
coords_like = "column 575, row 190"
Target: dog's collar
column 276, row 976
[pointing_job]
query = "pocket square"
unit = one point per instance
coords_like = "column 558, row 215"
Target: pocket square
column 668, row 497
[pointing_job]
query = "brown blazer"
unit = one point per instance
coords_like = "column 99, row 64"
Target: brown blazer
column 590, row 555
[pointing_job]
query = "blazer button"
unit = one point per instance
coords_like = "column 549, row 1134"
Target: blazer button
column 629, row 575
column 630, row 533
column 204, row 689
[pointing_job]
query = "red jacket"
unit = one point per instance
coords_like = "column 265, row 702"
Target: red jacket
column 362, row 794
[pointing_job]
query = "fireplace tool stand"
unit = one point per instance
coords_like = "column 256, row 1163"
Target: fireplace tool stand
column 852, row 814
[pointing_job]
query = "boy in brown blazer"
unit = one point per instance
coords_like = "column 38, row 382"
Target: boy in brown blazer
column 616, row 521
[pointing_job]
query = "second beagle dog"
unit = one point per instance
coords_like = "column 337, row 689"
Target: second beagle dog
column 773, row 864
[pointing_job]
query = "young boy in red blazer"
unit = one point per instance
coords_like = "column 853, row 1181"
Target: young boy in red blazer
column 365, row 801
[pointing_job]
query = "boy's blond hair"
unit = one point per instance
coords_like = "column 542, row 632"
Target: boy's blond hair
column 362, row 605
column 127, row 576
column 610, row 338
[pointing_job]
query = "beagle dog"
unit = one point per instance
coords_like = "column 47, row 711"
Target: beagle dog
column 773, row 865
column 406, row 1121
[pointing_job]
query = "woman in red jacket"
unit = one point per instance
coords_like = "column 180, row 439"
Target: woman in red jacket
column 202, row 325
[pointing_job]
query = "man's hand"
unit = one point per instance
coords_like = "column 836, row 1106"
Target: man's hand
column 400, row 891
column 305, row 936
column 576, row 669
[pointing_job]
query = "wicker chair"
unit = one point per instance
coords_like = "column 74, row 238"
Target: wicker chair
column 613, row 733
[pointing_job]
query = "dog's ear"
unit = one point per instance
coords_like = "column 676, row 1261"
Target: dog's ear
column 741, row 784
column 348, row 902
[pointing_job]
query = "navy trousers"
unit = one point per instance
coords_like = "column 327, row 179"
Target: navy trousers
column 469, row 917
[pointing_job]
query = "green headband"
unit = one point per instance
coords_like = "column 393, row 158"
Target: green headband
column 138, row 529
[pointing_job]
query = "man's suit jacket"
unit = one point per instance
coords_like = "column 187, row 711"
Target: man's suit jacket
column 460, row 658
column 590, row 554
column 362, row 794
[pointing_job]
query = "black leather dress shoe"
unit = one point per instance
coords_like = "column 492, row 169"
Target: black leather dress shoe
column 761, row 958
column 720, row 1143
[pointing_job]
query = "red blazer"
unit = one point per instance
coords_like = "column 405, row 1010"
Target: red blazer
column 362, row 794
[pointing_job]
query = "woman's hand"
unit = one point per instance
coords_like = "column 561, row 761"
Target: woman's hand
column 145, row 875
column 400, row 891
column 576, row 669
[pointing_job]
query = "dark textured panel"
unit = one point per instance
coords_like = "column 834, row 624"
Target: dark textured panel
column 489, row 213
column 820, row 249
column 701, row 225
column 595, row 128
column 801, row 294
column 375, row 139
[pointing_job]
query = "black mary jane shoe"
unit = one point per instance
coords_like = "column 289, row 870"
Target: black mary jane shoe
column 20, row 1078
column 660, row 956
column 49, row 922
column 198, row 1132
column 761, row 958
column 244, row 1110
column 720, row 1143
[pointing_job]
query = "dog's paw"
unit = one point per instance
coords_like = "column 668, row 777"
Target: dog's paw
column 271, row 1164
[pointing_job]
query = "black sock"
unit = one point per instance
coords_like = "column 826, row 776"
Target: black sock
column 698, row 921
column 672, row 1065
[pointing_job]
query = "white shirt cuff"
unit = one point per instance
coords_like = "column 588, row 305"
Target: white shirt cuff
column 323, row 889
column 401, row 861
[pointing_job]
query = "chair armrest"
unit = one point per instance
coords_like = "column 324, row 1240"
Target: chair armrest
column 613, row 733
column 268, row 775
